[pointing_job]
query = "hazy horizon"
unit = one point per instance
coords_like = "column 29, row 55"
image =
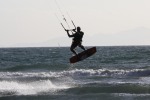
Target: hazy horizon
column 113, row 39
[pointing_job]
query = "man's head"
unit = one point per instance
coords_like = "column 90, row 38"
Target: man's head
column 78, row 29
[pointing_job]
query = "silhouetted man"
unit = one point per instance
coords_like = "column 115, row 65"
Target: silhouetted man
column 77, row 39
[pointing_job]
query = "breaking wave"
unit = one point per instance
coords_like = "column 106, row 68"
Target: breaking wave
column 77, row 72
column 29, row 88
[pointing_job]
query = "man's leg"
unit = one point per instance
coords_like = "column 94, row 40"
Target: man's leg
column 72, row 49
column 73, row 46
column 81, row 46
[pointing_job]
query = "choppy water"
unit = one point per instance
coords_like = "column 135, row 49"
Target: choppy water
column 113, row 73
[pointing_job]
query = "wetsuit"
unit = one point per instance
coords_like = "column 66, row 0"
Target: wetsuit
column 77, row 41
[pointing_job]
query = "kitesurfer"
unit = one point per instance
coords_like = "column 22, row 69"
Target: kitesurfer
column 77, row 39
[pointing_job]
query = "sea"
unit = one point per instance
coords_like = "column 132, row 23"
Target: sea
column 45, row 73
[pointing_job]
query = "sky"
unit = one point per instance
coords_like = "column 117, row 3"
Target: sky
column 34, row 21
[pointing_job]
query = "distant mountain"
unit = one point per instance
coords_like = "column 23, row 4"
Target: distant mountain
column 138, row 36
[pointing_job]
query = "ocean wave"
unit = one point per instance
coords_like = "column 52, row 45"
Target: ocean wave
column 74, row 81
column 78, row 73
column 46, row 87
column 29, row 88
column 106, row 72
column 110, row 88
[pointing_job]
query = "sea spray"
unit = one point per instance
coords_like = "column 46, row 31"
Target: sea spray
column 30, row 88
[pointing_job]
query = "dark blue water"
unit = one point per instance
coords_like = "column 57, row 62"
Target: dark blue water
column 113, row 73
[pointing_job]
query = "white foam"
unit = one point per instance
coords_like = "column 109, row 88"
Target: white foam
column 28, row 74
column 30, row 88
column 74, row 72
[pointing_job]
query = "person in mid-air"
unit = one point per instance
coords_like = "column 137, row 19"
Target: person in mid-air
column 77, row 39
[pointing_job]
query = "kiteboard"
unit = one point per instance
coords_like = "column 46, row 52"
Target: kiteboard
column 83, row 55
